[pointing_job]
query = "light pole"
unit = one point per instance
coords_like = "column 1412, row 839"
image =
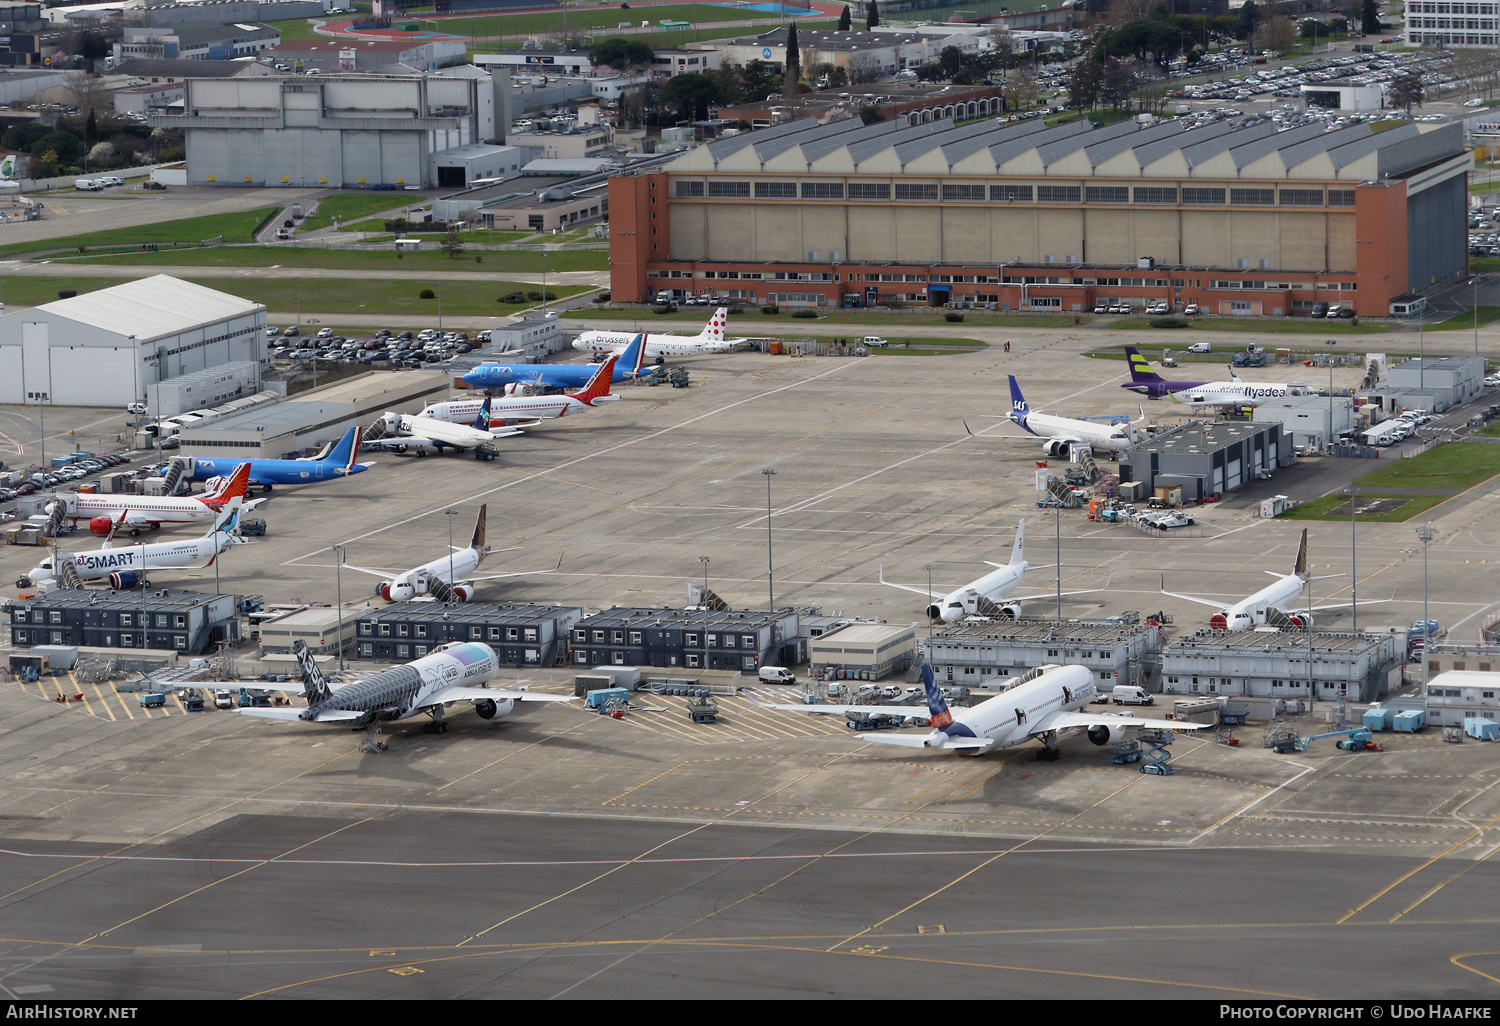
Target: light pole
column 1353, row 494
column 703, row 599
column 1475, row 283
column 1426, row 533
column 450, row 514
column 929, row 619
column 770, row 562
column 1330, row 343
column 1057, row 518
column 439, row 288
column 339, row 582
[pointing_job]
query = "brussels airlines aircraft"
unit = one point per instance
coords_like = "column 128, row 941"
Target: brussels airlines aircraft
column 1063, row 430
column 710, row 340
column 265, row 473
column 127, row 567
column 1042, row 703
column 107, row 512
column 492, row 376
column 982, row 597
column 452, row 673
column 1271, row 603
column 448, row 578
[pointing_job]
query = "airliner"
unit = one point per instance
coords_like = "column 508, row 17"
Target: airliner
column 266, row 473
column 527, row 410
column 1149, row 383
column 1042, row 703
column 511, row 377
column 402, row 431
column 983, row 596
column 1271, row 603
column 105, row 513
column 454, row 672
column 710, row 340
column 1235, row 392
column 127, row 567
column 1060, row 433
column 448, row 578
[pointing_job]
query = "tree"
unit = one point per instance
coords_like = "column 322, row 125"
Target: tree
column 793, row 62
column 845, row 19
column 620, row 53
column 1084, row 87
column 1248, row 21
column 1275, row 33
column 691, row 95
column 872, row 16
column 870, row 115
column 1406, row 91
column 1023, row 88
column 1118, row 84
column 1369, row 17
column 863, row 68
column 950, row 60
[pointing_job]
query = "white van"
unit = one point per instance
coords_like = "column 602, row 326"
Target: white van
column 88, row 184
column 777, row 675
column 1130, row 694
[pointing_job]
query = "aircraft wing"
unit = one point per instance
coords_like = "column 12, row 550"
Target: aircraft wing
column 1046, row 595
column 1082, row 720
column 952, row 744
column 517, row 573
column 375, row 573
column 925, row 593
column 1216, row 603
column 462, row 694
column 326, row 716
column 901, row 711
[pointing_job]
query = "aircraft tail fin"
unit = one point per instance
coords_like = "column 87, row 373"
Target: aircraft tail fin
column 1019, row 411
column 227, row 521
column 234, row 490
column 1300, row 568
column 314, row 684
column 482, row 422
column 1140, row 368
column 477, row 542
column 634, row 355
column 345, row 452
column 1018, row 547
column 598, row 386
column 937, row 705
column 713, row 331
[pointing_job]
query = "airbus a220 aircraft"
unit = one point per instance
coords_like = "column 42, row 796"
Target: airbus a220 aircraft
column 447, row 578
column 710, row 340
column 511, row 377
column 266, row 473
column 983, row 597
column 1060, row 433
column 452, row 673
column 1273, row 603
column 1043, row 703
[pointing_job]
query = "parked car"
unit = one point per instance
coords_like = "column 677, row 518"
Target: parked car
column 1201, row 347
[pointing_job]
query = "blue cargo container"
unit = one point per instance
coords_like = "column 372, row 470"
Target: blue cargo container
column 1409, row 721
column 1483, row 729
column 1377, row 719
column 598, row 699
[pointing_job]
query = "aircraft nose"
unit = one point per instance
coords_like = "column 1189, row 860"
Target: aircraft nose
column 952, row 615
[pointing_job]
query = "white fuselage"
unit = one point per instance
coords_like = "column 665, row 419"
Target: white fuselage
column 969, row 600
column 1238, row 393
column 656, row 345
column 509, row 408
column 414, row 582
column 1251, row 612
column 1112, row 437
column 457, row 434
column 1009, row 717
column 141, row 559
column 137, row 509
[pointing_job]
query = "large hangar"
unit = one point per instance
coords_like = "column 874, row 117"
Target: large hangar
column 110, row 347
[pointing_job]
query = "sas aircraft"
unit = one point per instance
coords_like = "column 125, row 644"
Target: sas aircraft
column 1043, row 703
column 1059, row 434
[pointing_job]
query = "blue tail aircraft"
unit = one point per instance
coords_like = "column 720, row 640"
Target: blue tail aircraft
column 495, row 376
column 264, row 473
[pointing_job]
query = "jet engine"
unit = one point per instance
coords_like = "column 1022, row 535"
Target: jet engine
column 101, row 525
column 1058, row 447
column 488, row 708
column 391, row 591
column 1010, row 611
column 1303, row 620
column 934, row 612
column 1219, row 622
column 1102, row 734
column 444, row 592
column 521, row 388
column 126, row 580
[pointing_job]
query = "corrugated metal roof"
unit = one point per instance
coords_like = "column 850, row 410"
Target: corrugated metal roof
column 152, row 308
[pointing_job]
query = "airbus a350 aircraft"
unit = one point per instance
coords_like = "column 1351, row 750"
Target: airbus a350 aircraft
column 983, row 597
column 447, row 578
column 127, row 566
column 1043, row 703
column 1060, row 433
column 710, row 340
column 266, row 473
column 1273, row 603
column 511, row 377
column 452, row 673
column 105, row 513
column 527, row 410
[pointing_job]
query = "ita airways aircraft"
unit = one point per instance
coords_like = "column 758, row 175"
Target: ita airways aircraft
column 710, row 340
column 127, row 566
column 1044, row 703
column 527, row 410
column 446, row 579
column 339, row 462
column 107, row 513
column 455, row 672
column 986, row 596
column 1273, row 604
column 513, row 378
column 1060, row 434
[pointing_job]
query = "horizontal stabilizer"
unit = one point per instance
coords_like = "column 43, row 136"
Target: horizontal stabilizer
column 272, row 714
column 463, row 694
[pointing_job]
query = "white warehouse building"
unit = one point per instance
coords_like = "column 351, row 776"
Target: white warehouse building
column 110, row 347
